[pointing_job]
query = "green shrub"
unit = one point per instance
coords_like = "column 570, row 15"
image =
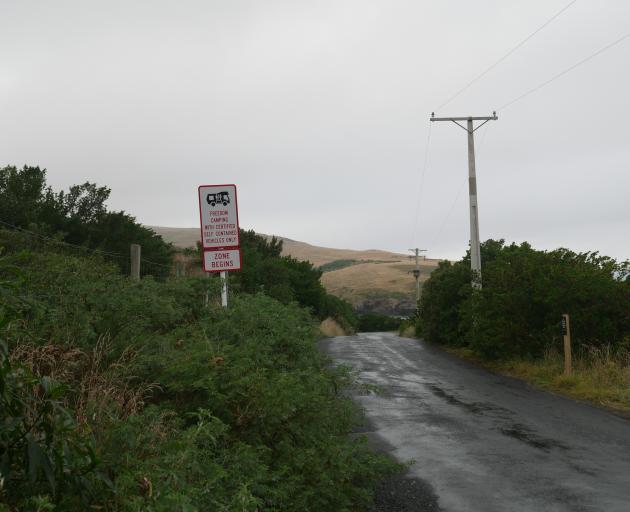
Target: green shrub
column 243, row 414
column 42, row 451
column 337, row 265
column 255, row 367
column 525, row 292
column 372, row 322
column 288, row 280
column 44, row 457
column 77, row 219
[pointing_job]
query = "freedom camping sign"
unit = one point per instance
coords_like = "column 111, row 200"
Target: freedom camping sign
column 220, row 239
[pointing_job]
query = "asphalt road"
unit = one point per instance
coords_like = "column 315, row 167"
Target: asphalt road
column 483, row 442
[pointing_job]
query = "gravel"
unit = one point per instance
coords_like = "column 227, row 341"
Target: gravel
column 402, row 493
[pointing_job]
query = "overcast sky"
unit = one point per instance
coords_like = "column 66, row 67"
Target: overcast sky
column 319, row 112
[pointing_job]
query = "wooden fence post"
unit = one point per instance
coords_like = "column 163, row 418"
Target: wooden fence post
column 135, row 261
column 566, row 335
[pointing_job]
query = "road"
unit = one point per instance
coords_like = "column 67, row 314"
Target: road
column 483, row 442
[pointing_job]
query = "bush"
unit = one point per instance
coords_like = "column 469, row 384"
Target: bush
column 171, row 405
column 77, row 220
column 375, row 323
column 288, row 280
column 525, row 292
column 43, row 455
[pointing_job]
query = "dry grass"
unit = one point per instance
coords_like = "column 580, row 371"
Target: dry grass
column 329, row 328
column 188, row 237
column 366, row 279
column 600, row 374
column 387, row 278
column 409, row 332
column 100, row 386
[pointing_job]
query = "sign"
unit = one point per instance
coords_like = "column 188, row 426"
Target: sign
column 220, row 239
column 564, row 325
column 222, row 261
column 218, row 212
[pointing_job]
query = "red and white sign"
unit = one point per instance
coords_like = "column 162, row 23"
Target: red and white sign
column 218, row 212
column 222, row 261
column 220, row 239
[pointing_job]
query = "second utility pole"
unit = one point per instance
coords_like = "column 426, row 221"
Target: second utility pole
column 475, row 249
column 416, row 272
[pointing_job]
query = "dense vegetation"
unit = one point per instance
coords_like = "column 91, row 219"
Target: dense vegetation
column 287, row 280
column 146, row 395
column 372, row 322
column 337, row 265
column 78, row 217
column 130, row 396
column 525, row 292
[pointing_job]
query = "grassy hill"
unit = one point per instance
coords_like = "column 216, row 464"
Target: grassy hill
column 372, row 280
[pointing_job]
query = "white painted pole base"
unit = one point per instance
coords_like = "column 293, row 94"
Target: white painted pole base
column 224, row 289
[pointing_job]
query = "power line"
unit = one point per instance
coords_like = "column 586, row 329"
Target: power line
column 567, row 70
column 421, row 188
column 155, row 263
column 496, row 63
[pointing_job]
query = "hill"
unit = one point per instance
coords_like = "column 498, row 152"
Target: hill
column 372, row 280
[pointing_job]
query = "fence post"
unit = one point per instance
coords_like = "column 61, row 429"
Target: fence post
column 135, row 261
column 566, row 335
column 180, row 269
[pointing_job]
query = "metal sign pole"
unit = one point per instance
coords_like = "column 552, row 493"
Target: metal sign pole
column 224, row 289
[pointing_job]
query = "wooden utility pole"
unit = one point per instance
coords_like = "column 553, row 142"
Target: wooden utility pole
column 416, row 272
column 475, row 249
column 566, row 336
column 135, row 261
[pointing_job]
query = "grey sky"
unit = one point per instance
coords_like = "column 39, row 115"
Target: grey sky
column 319, row 111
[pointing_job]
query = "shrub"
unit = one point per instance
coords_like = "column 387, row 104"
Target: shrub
column 161, row 403
column 373, row 323
column 525, row 292
column 78, row 217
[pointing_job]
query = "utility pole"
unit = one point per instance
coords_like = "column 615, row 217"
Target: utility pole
column 416, row 271
column 475, row 250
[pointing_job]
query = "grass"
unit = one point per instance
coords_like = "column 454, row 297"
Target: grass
column 601, row 375
column 353, row 275
column 330, row 328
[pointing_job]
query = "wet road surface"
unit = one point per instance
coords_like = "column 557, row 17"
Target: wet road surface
column 484, row 442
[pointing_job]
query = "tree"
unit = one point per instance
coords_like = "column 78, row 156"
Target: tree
column 525, row 292
column 21, row 194
column 78, row 217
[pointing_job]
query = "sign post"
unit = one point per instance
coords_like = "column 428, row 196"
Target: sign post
column 220, row 239
column 224, row 289
column 566, row 335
